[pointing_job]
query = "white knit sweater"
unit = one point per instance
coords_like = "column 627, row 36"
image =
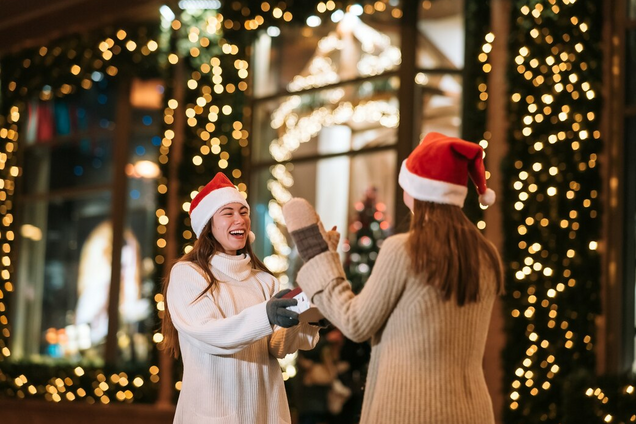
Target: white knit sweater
column 228, row 346
column 426, row 356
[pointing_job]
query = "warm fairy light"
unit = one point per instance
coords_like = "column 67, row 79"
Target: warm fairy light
column 553, row 93
column 298, row 131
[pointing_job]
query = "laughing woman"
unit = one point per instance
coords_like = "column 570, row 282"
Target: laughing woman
column 227, row 318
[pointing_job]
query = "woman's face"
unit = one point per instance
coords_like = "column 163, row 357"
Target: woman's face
column 231, row 227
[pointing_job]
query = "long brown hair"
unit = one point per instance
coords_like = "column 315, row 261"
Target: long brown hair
column 205, row 247
column 445, row 245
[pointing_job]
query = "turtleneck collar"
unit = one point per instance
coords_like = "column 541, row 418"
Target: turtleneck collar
column 237, row 267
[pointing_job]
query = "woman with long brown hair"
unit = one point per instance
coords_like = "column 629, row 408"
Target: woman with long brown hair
column 227, row 318
column 426, row 306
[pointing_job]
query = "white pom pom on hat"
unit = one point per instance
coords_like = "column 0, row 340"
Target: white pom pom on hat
column 217, row 193
column 488, row 198
column 439, row 167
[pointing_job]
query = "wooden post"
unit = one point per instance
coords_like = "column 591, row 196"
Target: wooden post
column 408, row 131
column 497, row 124
column 614, row 349
column 118, row 213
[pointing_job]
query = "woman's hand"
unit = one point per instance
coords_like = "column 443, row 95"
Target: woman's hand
column 277, row 311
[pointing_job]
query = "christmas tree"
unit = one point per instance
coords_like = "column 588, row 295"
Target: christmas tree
column 366, row 234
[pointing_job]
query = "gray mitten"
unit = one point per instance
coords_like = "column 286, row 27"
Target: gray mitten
column 305, row 228
column 277, row 311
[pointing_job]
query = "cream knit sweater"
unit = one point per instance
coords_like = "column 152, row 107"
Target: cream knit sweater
column 228, row 346
column 426, row 357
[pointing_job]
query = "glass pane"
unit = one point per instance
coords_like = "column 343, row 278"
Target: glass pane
column 341, row 47
column 351, row 117
column 630, row 68
column 441, row 103
column 441, row 36
column 632, row 9
column 338, row 187
column 137, row 286
column 69, row 140
column 136, row 322
column 83, row 163
column 64, row 278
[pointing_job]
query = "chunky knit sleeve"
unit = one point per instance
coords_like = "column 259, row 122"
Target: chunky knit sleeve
column 358, row 317
column 288, row 340
column 200, row 320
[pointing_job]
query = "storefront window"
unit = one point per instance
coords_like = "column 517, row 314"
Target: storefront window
column 325, row 125
column 66, row 229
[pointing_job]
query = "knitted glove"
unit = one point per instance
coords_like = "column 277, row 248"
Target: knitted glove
column 277, row 311
column 305, row 227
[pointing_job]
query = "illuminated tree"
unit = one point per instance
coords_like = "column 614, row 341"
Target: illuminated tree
column 367, row 232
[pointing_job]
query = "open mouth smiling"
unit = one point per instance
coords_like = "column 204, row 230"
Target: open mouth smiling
column 237, row 233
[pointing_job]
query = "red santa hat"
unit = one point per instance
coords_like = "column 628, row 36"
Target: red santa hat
column 438, row 170
column 216, row 194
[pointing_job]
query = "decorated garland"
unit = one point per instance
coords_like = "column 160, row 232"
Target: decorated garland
column 552, row 218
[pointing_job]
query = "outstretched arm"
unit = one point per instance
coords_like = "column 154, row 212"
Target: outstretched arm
column 324, row 281
column 358, row 317
column 200, row 320
column 288, row 340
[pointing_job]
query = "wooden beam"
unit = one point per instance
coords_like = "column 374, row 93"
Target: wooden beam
column 410, row 103
column 24, row 27
column 118, row 214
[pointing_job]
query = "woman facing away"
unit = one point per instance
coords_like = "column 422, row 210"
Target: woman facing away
column 426, row 306
column 228, row 320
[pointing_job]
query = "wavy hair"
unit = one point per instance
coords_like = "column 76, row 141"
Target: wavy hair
column 445, row 245
column 205, row 247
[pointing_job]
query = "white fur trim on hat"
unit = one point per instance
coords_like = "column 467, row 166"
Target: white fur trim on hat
column 211, row 203
column 431, row 190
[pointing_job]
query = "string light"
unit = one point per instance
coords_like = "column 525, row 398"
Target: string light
column 214, row 81
column 553, row 226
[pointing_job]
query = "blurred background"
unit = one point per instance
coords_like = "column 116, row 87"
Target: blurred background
column 114, row 114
